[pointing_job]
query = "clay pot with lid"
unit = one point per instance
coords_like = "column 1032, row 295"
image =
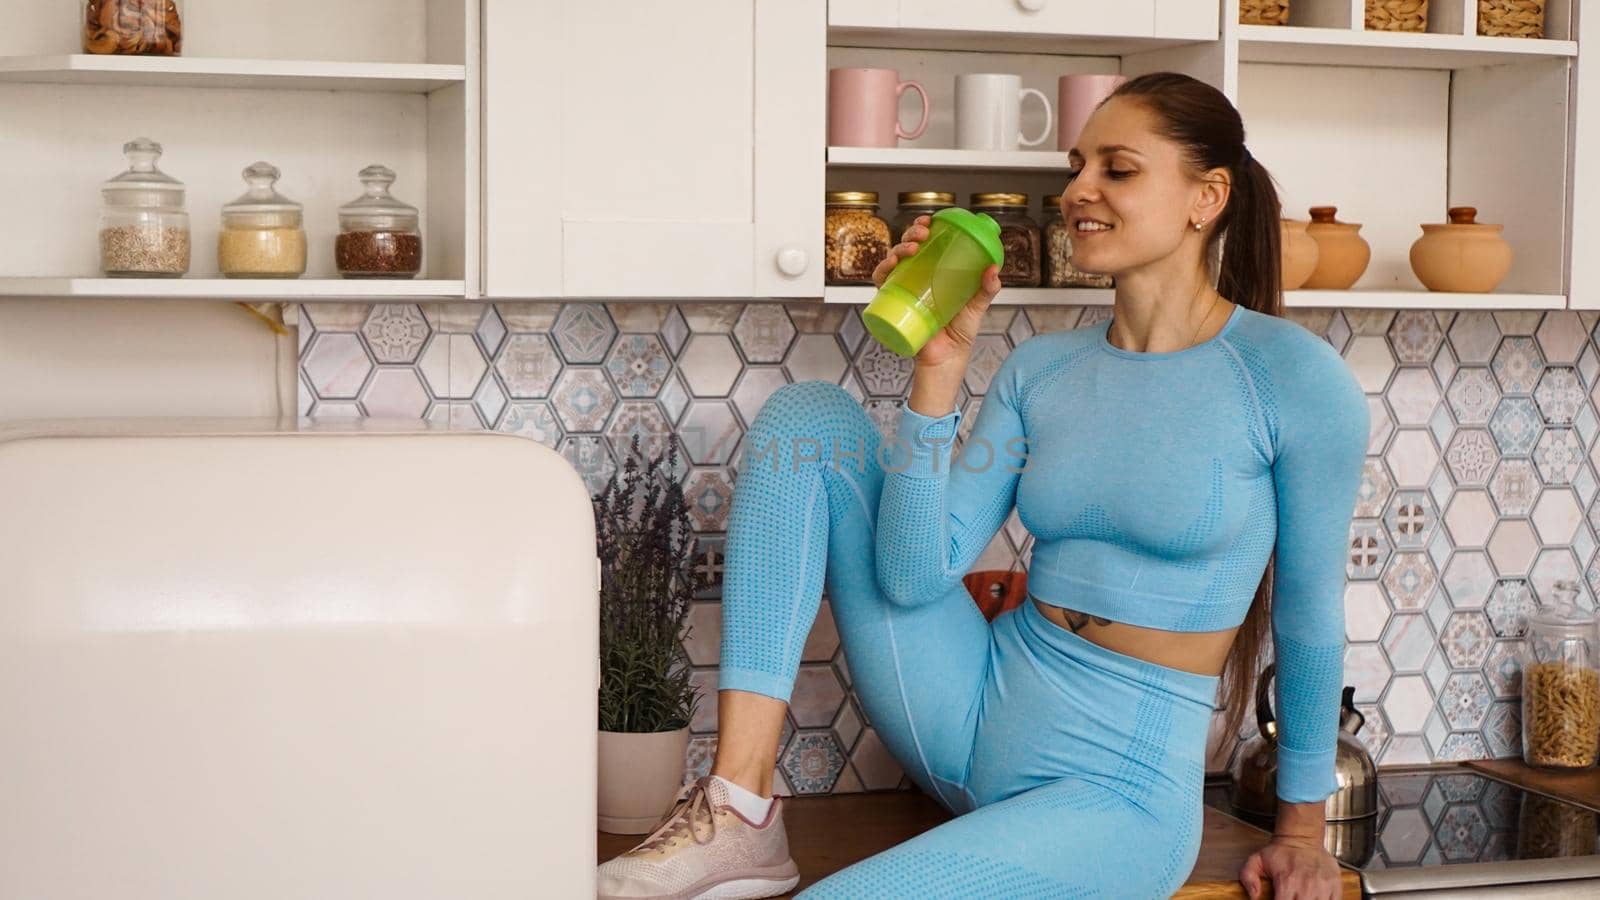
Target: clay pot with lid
column 1464, row 255
column 1342, row 253
column 1300, row 252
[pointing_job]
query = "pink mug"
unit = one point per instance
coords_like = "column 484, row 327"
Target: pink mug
column 1077, row 97
column 864, row 108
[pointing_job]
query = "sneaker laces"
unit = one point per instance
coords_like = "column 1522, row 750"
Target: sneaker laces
column 685, row 813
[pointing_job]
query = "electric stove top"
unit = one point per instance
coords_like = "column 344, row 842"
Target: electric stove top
column 1453, row 831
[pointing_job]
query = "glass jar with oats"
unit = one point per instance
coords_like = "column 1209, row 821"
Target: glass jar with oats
column 1057, row 253
column 263, row 235
column 855, row 240
column 1561, row 686
column 144, row 229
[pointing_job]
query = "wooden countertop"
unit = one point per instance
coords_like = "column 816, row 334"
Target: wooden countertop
column 1581, row 787
column 827, row 834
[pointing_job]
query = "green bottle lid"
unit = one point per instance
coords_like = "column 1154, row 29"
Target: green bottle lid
column 982, row 228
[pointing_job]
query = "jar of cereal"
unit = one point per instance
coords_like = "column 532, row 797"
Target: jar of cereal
column 1019, row 236
column 1058, row 268
column 144, row 229
column 263, row 235
column 855, row 239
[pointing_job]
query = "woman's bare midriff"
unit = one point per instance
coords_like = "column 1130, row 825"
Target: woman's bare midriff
column 1202, row 652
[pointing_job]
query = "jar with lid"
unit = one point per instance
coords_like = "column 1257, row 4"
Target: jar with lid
column 1057, row 253
column 144, row 229
column 263, row 233
column 378, row 235
column 855, row 240
column 1019, row 236
column 917, row 203
column 1561, row 685
column 132, row 27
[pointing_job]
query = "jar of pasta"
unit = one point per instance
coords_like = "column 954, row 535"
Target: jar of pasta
column 855, row 240
column 1019, row 236
column 1561, row 688
column 263, row 234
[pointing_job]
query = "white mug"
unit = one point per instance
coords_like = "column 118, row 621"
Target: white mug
column 989, row 112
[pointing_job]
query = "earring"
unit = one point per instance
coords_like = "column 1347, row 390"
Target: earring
column 1200, row 224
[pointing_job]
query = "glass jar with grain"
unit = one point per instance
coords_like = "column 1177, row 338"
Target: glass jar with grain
column 1057, row 252
column 1561, row 686
column 144, row 229
column 855, row 240
column 378, row 235
column 132, row 27
column 1019, row 236
column 263, row 233
column 917, row 203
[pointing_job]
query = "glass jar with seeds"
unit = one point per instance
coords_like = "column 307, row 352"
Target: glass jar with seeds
column 1057, row 253
column 1019, row 236
column 855, row 240
column 263, row 233
column 378, row 235
column 144, row 229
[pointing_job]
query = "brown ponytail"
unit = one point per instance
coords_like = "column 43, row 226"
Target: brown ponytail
column 1199, row 118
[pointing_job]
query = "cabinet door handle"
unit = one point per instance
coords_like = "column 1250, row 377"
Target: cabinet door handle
column 1032, row 5
column 792, row 261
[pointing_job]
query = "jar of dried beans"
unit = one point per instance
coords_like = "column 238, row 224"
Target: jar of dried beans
column 1561, row 686
column 378, row 235
column 918, row 203
column 263, row 234
column 132, row 27
column 855, row 240
column 144, row 229
column 1057, row 252
column 1019, row 236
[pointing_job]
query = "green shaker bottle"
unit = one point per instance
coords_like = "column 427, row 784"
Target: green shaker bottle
column 926, row 290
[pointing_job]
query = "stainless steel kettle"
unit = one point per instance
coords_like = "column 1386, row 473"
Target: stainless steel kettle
column 1256, row 775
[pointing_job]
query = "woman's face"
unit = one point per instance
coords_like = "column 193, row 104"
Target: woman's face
column 1130, row 198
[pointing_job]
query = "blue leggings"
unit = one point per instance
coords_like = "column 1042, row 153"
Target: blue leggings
column 1072, row 770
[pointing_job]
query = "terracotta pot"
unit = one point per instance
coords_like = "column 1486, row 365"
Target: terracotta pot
column 640, row 775
column 1300, row 252
column 1342, row 253
column 1464, row 255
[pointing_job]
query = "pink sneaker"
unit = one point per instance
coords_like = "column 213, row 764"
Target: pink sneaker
column 703, row 848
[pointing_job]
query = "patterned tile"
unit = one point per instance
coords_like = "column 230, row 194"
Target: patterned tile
column 709, row 494
column 1471, row 457
column 1465, row 700
column 638, row 364
column 584, row 399
column 641, row 418
column 1473, row 395
column 1559, row 395
column 1509, row 605
column 1514, row 487
column 1466, row 639
column 1516, row 426
column 1517, row 365
column 528, row 365
column 395, row 332
column 884, row 373
column 813, row 762
column 532, row 419
column 1409, row 580
column 1369, row 549
column 1415, row 336
column 1412, row 520
column 1558, row 455
column 1502, row 730
column 584, row 331
column 764, row 332
column 1376, row 488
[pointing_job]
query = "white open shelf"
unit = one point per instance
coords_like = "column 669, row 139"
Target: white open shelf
column 284, row 74
column 862, row 294
column 1387, row 49
column 299, row 290
column 933, row 158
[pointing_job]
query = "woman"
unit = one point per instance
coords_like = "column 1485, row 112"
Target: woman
column 1166, row 461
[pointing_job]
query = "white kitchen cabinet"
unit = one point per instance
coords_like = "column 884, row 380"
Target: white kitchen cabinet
column 674, row 151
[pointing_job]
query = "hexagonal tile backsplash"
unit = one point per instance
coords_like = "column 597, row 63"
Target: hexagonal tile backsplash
column 1478, row 497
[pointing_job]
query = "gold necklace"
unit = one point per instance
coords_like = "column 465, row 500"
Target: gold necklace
column 1197, row 328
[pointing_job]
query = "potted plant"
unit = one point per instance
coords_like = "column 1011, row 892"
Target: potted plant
column 646, row 545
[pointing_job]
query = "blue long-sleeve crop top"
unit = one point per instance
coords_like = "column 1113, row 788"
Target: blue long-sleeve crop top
column 1156, row 486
